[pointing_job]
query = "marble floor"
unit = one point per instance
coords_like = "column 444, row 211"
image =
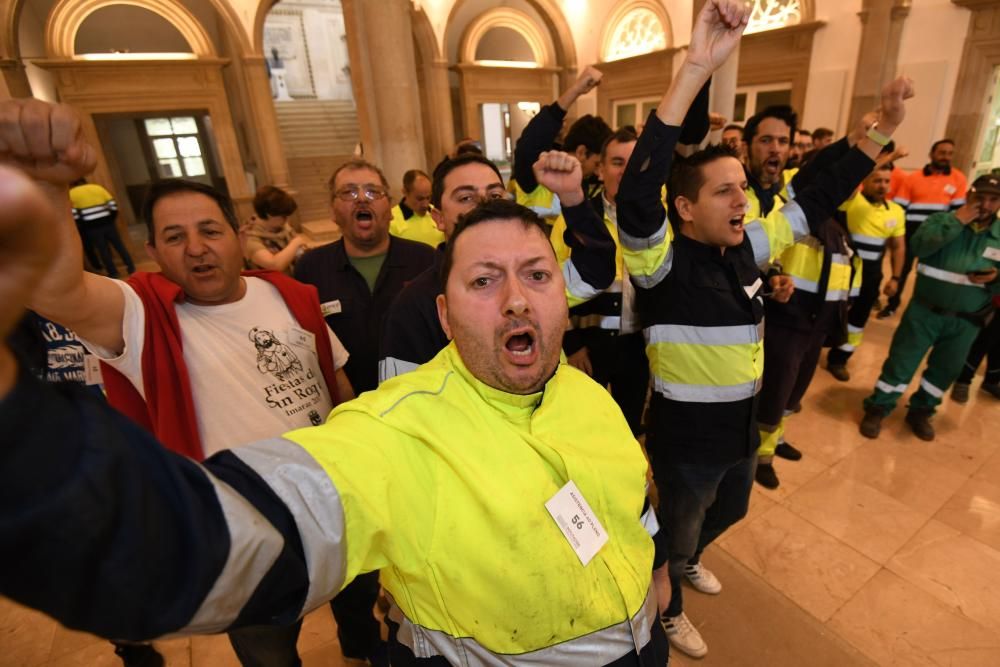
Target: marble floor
column 879, row 552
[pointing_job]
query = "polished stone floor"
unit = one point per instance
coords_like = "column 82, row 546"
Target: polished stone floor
column 879, row 552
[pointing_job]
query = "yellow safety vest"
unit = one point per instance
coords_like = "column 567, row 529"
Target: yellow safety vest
column 443, row 482
column 421, row 228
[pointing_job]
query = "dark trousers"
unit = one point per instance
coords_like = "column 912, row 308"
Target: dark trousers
column 101, row 237
column 357, row 627
column 987, row 345
column 861, row 307
column 698, row 502
column 790, row 358
column 620, row 361
column 911, row 229
column 267, row 645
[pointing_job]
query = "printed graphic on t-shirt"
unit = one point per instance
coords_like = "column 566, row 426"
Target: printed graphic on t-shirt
column 65, row 354
column 297, row 389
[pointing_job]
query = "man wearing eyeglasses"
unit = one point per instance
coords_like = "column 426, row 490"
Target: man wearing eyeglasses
column 359, row 275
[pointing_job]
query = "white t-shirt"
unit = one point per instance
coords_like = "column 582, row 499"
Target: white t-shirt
column 254, row 371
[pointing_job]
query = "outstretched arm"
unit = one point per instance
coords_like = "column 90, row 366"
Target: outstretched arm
column 541, row 131
column 46, row 142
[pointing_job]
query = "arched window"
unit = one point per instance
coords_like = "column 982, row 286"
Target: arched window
column 772, row 14
column 636, row 28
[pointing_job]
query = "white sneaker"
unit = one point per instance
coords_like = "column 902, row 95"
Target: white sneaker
column 684, row 636
column 702, row 579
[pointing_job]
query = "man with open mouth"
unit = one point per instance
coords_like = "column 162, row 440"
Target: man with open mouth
column 700, row 298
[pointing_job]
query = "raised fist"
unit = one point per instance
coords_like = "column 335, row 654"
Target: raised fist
column 561, row 173
column 45, row 141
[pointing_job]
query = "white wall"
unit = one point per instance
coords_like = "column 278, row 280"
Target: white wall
column 931, row 51
column 831, row 70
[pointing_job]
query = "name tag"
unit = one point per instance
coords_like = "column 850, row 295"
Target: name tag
column 92, row 370
column 890, row 223
column 577, row 522
column 992, row 253
column 949, row 189
column 331, row 307
column 302, row 338
column 752, row 289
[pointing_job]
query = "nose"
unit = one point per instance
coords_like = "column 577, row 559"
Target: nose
column 740, row 200
column 515, row 298
column 195, row 246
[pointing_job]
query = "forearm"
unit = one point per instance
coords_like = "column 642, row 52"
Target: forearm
column 823, row 160
column 898, row 257
column 276, row 261
column 640, row 207
column 696, row 122
column 593, row 252
column 684, row 88
column 117, row 536
column 820, row 198
column 538, row 136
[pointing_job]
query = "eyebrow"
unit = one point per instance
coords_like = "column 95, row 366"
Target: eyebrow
column 206, row 221
column 490, row 264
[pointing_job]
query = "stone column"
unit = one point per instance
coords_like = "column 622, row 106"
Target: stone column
column 264, row 121
column 384, row 75
column 881, row 33
column 439, row 118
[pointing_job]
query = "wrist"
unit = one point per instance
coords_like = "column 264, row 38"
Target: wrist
column 571, row 198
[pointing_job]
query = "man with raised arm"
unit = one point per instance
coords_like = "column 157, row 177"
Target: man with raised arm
column 202, row 355
column 700, row 299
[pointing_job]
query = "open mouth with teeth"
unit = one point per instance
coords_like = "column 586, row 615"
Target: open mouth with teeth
column 365, row 216
column 773, row 165
column 202, row 269
column 520, row 346
column 736, row 222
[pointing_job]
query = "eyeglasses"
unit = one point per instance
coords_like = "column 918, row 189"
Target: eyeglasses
column 370, row 192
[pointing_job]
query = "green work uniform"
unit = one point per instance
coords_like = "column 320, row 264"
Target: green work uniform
column 941, row 316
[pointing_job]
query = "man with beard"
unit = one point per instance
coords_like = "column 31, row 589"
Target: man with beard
column 768, row 139
column 482, row 485
column 799, row 148
column 413, row 334
column 924, row 192
column 959, row 253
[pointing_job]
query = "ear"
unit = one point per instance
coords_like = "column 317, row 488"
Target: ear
column 153, row 252
column 438, row 218
column 442, row 306
column 580, row 153
column 684, row 208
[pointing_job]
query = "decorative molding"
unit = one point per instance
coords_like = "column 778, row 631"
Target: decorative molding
column 640, row 14
column 775, row 14
column 67, row 16
column 504, row 17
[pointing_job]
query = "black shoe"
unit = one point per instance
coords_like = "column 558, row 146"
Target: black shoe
column 871, row 425
column 920, row 424
column 991, row 389
column 786, row 451
column 885, row 312
column 766, row 476
column 960, row 392
column 839, row 371
column 139, row 655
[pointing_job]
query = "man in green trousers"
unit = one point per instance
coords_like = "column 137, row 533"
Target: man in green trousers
column 959, row 253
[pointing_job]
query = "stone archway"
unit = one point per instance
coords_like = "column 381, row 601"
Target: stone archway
column 67, row 16
column 435, row 92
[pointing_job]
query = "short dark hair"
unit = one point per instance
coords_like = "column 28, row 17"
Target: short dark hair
column 352, row 165
column 410, row 177
column 822, row 133
column 622, row 135
column 451, row 164
column 588, row 131
column 487, row 211
column 168, row 187
column 941, row 141
column 270, row 200
column 687, row 176
column 781, row 112
column 733, row 126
